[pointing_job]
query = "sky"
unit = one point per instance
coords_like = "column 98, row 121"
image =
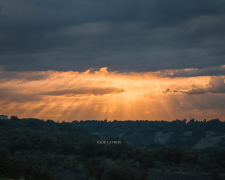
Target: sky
column 120, row 59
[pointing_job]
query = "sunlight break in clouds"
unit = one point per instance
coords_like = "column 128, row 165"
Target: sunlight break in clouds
column 100, row 94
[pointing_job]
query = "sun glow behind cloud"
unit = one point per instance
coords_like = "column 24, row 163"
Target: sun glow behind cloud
column 100, row 94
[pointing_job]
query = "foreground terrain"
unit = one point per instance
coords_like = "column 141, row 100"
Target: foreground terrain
column 36, row 149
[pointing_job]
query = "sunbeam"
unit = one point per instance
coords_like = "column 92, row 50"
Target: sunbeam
column 100, row 94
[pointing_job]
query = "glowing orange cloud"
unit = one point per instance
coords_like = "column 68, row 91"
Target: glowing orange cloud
column 100, row 94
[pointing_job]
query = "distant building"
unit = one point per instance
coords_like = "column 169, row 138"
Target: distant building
column 3, row 117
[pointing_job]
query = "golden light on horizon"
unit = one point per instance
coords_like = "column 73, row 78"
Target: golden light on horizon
column 100, row 94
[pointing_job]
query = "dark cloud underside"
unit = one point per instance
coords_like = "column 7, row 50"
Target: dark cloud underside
column 128, row 35
column 209, row 71
column 5, row 76
column 8, row 96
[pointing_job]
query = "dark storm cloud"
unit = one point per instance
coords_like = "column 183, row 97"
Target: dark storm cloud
column 128, row 35
column 85, row 90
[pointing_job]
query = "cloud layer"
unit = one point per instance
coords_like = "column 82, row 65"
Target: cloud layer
column 216, row 85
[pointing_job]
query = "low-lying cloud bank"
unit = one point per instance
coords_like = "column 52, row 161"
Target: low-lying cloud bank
column 84, row 91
